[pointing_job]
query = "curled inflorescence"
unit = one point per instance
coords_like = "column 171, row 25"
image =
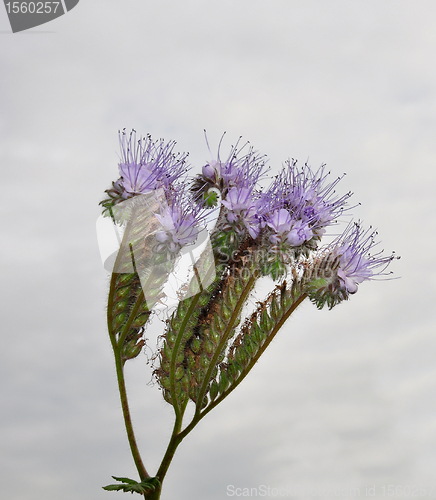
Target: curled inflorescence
column 258, row 232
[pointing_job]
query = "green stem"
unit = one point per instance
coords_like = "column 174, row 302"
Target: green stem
column 228, row 331
column 245, row 372
column 178, row 436
column 143, row 474
column 178, row 344
column 155, row 495
column 174, row 442
column 126, row 328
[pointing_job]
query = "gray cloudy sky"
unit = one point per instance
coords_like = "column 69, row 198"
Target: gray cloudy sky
column 342, row 399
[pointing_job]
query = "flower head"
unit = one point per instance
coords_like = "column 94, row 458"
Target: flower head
column 285, row 228
column 180, row 223
column 356, row 264
column 146, row 165
column 339, row 268
column 242, row 210
column 307, row 196
column 242, row 169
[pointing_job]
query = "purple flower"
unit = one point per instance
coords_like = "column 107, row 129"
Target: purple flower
column 238, row 200
column 146, row 165
column 338, row 269
column 307, row 196
column 299, row 233
column 242, row 210
column 138, row 179
column 356, row 264
column 238, row 170
column 281, row 221
column 178, row 228
column 212, row 171
column 180, row 221
column 285, row 227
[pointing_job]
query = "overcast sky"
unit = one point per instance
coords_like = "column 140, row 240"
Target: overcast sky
column 341, row 399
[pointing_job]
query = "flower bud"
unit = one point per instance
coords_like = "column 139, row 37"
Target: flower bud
column 196, row 345
column 167, row 396
column 226, row 312
column 213, row 391
column 120, row 306
column 179, row 372
column 165, row 382
column 266, row 323
column 140, row 320
column 119, row 320
column 209, row 172
column 204, row 361
column 199, row 376
column 209, row 347
column 223, row 381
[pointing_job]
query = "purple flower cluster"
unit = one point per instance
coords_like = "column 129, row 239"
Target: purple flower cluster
column 337, row 270
column 309, row 200
column 236, row 178
column 356, row 263
column 240, row 169
column 295, row 209
column 180, row 222
column 286, row 220
column 146, row 165
column 294, row 232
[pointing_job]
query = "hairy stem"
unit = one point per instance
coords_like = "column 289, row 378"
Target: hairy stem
column 116, row 346
column 198, row 416
column 174, row 442
column 143, row 474
column 228, row 332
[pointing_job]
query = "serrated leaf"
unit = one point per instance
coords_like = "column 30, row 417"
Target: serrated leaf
column 132, row 486
column 125, row 480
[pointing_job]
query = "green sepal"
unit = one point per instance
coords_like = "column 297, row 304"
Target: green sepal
column 132, row 345
column 167, row 396
column 196, row 345
column 266, row 323
column 210, row 198
column 214, row 390
column 145, row 487
column 119, row 320
column 275, row 310
column 226, row 312
column 316, row 284
column 141, row 319
column 223, row 382
column 179, row 372
column 121, row 305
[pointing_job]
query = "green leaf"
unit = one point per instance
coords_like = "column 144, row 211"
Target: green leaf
column 125, row 480
column 130, row 485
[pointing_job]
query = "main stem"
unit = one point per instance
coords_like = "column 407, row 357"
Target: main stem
column 143, row 474
column 175, row 440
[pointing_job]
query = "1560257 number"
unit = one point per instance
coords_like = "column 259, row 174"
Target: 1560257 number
column 32, row 7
